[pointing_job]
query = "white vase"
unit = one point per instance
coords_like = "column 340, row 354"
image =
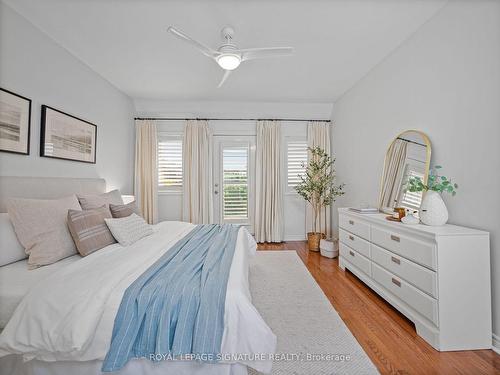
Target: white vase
column 433, row 211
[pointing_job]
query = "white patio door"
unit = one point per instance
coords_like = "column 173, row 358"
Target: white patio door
column 234, row 180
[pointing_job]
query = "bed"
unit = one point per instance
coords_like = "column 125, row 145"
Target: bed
column 60, row 317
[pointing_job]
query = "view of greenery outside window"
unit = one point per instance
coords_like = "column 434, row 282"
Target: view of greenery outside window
column 235, row 183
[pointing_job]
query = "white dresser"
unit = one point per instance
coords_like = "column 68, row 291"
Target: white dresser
column 438, row 277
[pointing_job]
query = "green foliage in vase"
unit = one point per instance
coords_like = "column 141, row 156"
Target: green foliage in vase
column 435, row 182
column 317, row 185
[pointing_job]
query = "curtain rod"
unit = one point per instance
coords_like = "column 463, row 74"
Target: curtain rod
column 224, row 119
column 407, row 140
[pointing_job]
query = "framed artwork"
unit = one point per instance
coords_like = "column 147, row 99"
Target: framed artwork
column 67, row 137
column 15, row 119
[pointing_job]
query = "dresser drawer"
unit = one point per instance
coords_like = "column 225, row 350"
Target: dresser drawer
column 421, row 252
column 416, row 299
column 355, row 242
column 355, row 258
column 355, row 226
column 419, row 276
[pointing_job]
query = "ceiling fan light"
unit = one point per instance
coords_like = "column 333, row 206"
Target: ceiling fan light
column 229, row 61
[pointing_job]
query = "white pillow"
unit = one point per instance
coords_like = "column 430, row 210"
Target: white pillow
column 11, row 249
column 127, row 230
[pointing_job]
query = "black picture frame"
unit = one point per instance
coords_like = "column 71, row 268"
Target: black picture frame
column 28, row 135
column 43, row 130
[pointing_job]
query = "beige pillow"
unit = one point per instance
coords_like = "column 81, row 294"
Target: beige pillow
column 41, row 227
column 89, row 230
column 89, row 202
column 124, row 210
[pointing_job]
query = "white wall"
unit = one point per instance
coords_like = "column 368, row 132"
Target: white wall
column 170, row 204
column 445, row 80
column 34, row 66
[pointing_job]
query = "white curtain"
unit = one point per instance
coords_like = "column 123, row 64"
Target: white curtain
column 268, row 182
column 146, row 169
column 197, row 172
column 393, row 173
column 318, row 135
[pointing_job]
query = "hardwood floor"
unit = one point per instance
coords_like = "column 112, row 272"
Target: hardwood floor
column 387, row 336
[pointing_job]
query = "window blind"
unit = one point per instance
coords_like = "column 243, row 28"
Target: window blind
column 170, row 164
column 296, row 161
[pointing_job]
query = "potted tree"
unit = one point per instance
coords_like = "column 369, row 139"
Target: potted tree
column 317, row 187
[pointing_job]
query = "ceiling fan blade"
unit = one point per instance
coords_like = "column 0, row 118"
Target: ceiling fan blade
column 207, row 51
column 224, row 77
column 263, row 53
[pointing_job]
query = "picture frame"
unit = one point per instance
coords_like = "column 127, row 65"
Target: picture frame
column 15, row 122
column 67, row 137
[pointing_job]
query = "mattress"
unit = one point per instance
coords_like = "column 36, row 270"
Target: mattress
column 16, row 280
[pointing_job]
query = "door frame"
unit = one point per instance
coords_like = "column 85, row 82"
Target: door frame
column 219, row 142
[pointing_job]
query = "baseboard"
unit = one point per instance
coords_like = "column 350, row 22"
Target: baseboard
column 295, row 237
column 496, row 344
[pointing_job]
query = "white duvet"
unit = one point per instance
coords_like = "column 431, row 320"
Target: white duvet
column 69, row 316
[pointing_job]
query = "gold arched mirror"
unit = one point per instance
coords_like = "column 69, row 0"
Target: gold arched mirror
column 408, row 155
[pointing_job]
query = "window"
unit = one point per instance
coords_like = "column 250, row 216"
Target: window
column 170, row 164
column 296, row 156
column 235, row 182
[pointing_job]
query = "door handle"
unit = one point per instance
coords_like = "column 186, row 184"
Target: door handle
column 351, row 222
column 351, row 238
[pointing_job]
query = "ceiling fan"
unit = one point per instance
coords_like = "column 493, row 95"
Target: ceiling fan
column 228, row 56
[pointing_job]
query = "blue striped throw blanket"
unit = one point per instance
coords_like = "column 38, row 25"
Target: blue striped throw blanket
column 176, row 307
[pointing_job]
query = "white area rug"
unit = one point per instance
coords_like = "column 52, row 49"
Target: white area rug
column 298, row 312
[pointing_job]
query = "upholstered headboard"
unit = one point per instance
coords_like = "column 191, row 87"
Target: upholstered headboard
column 47, row 187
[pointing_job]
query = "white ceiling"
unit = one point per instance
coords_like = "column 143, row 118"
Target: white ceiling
column 125, row 41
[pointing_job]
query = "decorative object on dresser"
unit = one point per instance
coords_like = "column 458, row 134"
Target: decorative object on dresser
column 410, row 218
column 317, row 187
column 433, row 210
column 15, row 119
column 438, row 277
column 398, row 214
column 408, row 155
column 67, row 137
column 365, row 210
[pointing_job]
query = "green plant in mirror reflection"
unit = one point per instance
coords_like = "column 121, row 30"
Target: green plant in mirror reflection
column 435, row 182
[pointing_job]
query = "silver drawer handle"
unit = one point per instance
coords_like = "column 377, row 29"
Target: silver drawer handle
column 396, row 260
column 352, row 254
column 397, row 282
column 351, row 222
column 351, row 238
column 395, row 238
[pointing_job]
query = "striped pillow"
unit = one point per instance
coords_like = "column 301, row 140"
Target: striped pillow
column 89, row 230
column 123, row 210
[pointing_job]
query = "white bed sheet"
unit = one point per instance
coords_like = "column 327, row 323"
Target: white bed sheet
column 79, row 328
column 16, row 280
